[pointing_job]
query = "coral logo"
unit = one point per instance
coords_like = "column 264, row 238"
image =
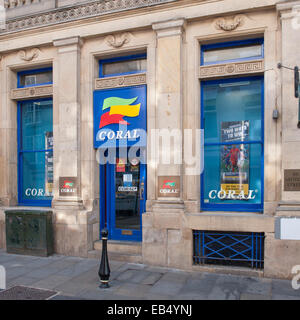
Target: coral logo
column 168, row 184
column 119, row 108
column 68, row 184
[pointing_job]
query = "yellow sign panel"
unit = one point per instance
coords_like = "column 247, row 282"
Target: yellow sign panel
column 238, row 188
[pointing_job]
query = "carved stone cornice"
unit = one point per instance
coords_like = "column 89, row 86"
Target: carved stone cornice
column 120, row 81
column 118, row 40
column 31, row 92
column 229, row 69
column 229, row 24
column 28, row 55
column 169, row 28
column 77, row 12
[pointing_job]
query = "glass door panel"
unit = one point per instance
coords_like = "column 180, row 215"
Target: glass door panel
column 127, row 196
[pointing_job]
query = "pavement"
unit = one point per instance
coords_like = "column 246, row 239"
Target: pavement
column 76, row 278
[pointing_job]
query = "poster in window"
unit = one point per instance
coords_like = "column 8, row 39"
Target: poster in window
column 48, row 164
column 235, row 157
column 121, row 165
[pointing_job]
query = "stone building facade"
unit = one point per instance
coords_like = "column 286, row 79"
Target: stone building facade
column 192, row 224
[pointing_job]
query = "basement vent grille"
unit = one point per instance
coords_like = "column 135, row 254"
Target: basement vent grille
column 240, row 249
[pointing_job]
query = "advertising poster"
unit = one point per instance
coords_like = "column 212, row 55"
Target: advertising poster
column 121, row 165
column 48, row 164
column 235, row 157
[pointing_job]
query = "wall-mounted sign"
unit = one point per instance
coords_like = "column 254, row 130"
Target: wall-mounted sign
column 292, row 180
column 169, row 187
column 67, row 186
column 120, row 117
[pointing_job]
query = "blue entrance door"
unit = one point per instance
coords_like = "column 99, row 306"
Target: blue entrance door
column 120, row 124
column 124, row 198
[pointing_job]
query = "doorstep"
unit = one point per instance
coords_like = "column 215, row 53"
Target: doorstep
column 119, row 250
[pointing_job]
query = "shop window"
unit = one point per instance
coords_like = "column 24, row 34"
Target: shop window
column 232, row 51
column 123, row 65
column 232, row 119
column 35, row 152
column 35, row 77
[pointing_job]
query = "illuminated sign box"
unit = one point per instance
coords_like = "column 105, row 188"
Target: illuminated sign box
column 120, row 117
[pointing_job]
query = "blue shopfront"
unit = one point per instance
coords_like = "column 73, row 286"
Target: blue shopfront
column 35, row 142
column 120, row 140
column 232, row 117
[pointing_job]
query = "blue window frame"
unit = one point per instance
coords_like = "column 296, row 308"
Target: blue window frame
column 125, row 62
column 36, row 77
column 232, row 117
column 232, row 46
column 35, row 152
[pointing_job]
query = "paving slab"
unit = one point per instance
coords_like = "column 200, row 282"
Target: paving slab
column 192, row 296
column 133, row 290
column 283, row 297
column 175, row 276
column 199, row 286
column 15, row 272
column 78, row 268
column 51, row 282
column 249, row 296
column 42, row 273
column 61, row 297
column 164, row 287
column 284, row 287
column 256, row 286
column 77, row 278
column 115, row 265
column 94, row 294
column 228, row 287
column 21, row 281
column 87, row 280
column 152, row 278
column 157, row 296
column 126, row 275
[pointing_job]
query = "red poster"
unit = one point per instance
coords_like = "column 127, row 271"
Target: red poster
column 120, row 165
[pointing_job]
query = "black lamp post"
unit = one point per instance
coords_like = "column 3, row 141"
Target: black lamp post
column 104, row 271
column 296, row 76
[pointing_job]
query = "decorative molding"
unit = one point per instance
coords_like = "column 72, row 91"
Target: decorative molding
column 31, row 92
column 29, row 54
column 118, row 40
column 229, row 69
column 121, row 81
column 169, row 28
column 229, row 24
column 77, row 12
column 10, row 4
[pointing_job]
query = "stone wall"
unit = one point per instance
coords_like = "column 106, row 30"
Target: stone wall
column 74, row 47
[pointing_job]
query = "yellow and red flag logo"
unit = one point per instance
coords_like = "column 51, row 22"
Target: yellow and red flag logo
column 119, row 108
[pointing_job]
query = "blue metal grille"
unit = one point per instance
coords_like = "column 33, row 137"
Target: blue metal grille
column 243, row 249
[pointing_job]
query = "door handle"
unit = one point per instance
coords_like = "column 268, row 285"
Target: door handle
column 142, row 191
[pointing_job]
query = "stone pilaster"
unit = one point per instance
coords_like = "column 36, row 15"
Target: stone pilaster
column 164, row 235
column 169, row 38
column 281, row 253
column 66, row 123
column 8, row 138
column 290, row 23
